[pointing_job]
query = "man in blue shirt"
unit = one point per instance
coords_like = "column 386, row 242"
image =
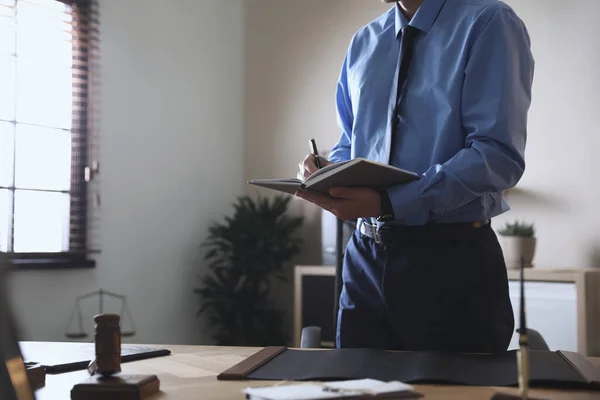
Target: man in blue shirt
column 424, row 270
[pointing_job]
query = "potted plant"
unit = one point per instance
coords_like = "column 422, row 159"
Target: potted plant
column 244, row 253
column 518, row 240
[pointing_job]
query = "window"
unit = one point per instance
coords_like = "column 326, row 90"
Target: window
column 45, row 136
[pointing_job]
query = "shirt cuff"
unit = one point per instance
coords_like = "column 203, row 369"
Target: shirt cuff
column 338, row 155
column 406, row 198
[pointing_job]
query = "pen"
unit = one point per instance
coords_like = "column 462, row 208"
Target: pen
column 313, row 149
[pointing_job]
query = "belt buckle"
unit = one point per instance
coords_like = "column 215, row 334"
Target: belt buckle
column 375, row 231
column 378, row 233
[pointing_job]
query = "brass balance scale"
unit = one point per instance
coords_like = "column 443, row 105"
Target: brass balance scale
column 125, row 314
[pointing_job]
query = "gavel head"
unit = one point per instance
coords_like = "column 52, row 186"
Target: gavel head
column 107, row 344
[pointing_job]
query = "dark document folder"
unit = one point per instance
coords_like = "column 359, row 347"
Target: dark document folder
column 548, row 369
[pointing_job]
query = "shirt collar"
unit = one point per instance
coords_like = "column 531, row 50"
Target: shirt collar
column 423, row 18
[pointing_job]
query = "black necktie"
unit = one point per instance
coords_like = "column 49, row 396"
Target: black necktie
column 406, row 53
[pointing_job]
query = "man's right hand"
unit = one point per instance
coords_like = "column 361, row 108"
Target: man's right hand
column 308, row 166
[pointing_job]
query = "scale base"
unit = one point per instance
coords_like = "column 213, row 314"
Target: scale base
column 118, row 387
column 509, row 396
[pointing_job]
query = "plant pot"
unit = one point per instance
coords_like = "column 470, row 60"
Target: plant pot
column 514, row 247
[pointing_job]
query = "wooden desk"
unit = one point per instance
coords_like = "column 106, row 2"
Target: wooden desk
column 190, row 373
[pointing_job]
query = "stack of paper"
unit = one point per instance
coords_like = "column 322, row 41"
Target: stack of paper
column 356, row 389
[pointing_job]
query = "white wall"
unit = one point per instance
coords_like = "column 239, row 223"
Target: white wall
column 295, row 50
column 560, row 190
column 294, row 54
column 172, row 116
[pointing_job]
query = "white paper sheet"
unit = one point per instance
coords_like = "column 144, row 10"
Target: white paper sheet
column 327, row 390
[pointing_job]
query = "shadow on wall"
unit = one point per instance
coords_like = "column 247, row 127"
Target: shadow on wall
column 538, row 203
column 543, row 200
column 595, row 255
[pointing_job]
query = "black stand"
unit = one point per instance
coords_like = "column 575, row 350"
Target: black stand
column 510, row 396
column 524, row 366
column 339, row 245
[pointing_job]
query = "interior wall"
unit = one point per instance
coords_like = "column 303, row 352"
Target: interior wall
column 172, row 151
column 560, row 189
column 295, row 50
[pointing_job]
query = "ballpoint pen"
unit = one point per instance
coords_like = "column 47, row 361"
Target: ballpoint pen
column 315, row 152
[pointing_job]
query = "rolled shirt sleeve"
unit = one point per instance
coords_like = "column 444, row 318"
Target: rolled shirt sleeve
column 496, row 97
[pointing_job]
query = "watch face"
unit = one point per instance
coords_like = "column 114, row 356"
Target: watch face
column 385, row 218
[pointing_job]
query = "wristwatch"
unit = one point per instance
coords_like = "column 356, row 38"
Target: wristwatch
column 387, row 211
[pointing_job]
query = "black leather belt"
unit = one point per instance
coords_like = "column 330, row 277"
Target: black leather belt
column 389, row 234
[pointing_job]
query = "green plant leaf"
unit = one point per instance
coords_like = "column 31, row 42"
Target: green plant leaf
column 244, row 252
column 518, row 228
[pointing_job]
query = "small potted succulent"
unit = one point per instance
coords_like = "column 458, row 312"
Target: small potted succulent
column 518, row 240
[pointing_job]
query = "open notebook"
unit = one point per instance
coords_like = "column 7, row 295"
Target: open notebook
column 358, row 172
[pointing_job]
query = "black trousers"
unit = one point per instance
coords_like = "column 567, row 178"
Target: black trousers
column 436, row 288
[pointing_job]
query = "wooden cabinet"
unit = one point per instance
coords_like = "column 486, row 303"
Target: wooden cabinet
column 563, row 305
column 314, row 302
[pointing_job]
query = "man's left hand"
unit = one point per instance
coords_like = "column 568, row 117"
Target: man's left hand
column 347, row 203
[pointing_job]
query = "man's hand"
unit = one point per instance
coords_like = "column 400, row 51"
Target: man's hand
column 308, row 167
column 347, row 203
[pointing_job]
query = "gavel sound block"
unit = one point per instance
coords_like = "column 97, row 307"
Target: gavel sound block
column 106, row 380
column 125, row 387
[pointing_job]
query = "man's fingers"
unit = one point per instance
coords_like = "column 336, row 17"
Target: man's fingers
column 312, row 196
column 309, row 164
column 327, row 203
column 342, row 192
column 303, row 174
column 319, row 199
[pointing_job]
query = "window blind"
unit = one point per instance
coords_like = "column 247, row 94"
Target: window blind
column 85, row 194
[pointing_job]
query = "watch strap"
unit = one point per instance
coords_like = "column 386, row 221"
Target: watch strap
column 387, row 210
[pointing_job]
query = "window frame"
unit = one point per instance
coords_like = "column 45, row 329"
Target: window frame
column 81, row 174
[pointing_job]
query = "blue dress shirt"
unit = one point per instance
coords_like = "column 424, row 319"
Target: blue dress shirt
column 463, row 115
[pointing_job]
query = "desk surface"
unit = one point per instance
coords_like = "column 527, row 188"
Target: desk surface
column 190, row 373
